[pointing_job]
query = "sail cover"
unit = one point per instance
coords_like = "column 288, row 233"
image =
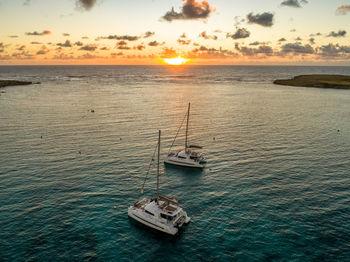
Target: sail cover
column 167, row 199
column 194, row 146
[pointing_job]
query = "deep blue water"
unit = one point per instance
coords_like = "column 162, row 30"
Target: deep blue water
column 276, row 186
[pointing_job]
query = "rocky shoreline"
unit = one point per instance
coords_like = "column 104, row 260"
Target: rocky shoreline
column 4, row 83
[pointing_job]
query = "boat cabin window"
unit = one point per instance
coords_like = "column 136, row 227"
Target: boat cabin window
column 166, row 216
column 149, row 213
column 181, row 157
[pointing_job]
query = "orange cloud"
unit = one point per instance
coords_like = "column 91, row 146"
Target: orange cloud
column 35, row 33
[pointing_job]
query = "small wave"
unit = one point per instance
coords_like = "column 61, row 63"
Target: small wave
column 77, row 76
column 182, row 76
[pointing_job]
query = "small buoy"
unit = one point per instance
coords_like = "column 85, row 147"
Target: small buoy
column 338, row 130
column 80, row 152
column 214, row 138
column 114, row 207
column 120, row 138
column 41, row 137
column 92, row 111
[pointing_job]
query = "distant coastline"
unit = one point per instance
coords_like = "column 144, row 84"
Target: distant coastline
column 318, row 81
column 4, row 83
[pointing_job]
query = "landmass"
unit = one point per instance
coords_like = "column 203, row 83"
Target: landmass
column 320, row 81
column 4, row 83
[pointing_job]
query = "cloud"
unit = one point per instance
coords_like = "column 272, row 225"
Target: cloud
column 2, row 47
column 120, row 37
column 35, row 33
column 205, row 36
column 65, row 44
column 122, row 45
column 26, row 2
column 13, row 36
column 140, row 47
column 78, row 43
column 191, row 9
column 22, row 55
column 332, row 50
column 113, row 55
column 247, row 51
column 297, row 48
column 35, row 43
column 66, row 34
column 63, row 56
column 183, row 41
column 239, row 34
column 264, row 19
column 168, row 52
column 343, row 10
column 282, row 39
column 88, row 56
column 43, row 50
column 238, row 21
column 211, row 53
column 317, row 34
column 155, row 43
column 5, row 57
column 85, row 4
column 340, row 33
column 294, row 3
column 88, row 47
column 66, row 15
column 148, row 34
column 256, row 43
column 312, row 41
column 21, row 48
column 140, row 56
column 85, row 37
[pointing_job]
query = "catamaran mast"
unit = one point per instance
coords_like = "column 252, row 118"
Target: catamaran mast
column 188, row 118
column 158, row 165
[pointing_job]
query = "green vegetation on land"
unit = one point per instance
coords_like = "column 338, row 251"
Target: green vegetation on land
column 320, row 81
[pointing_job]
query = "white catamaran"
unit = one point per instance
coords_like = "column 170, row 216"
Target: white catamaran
column 161, row 213
column 187, row 157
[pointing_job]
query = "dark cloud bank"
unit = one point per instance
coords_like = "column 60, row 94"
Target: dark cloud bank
column 85, row 4
column 191, row 9
column 294, row 3
column 263, row 19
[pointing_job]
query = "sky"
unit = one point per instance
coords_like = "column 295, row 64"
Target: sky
column 144, row 32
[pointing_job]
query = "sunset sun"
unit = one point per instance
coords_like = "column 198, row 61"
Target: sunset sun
column 176, row 60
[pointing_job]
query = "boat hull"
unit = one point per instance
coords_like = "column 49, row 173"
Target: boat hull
column 183, row 163
column 147, row 221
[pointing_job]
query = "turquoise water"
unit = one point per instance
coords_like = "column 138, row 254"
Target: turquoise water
column 276, row 186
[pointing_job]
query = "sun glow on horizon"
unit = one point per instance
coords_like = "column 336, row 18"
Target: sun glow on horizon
column 176, row 60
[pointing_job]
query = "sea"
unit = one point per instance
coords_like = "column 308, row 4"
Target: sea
column 75, row 150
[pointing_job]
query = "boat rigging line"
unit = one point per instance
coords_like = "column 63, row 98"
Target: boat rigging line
column 177, row 132
column 149, row 168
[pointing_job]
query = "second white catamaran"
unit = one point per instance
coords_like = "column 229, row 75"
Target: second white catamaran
column 187, row 157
